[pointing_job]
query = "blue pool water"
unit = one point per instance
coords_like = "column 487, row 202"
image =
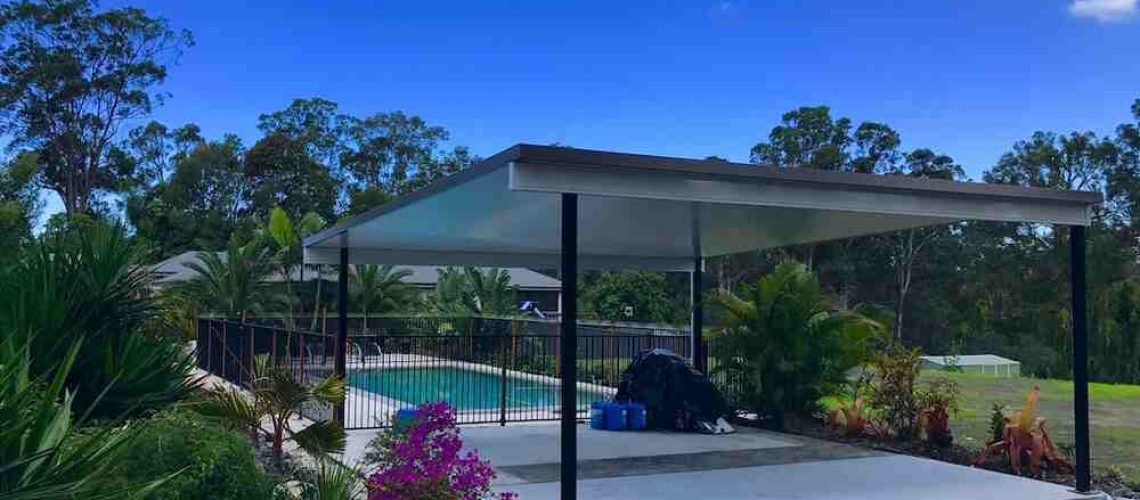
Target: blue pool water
column 464, row 389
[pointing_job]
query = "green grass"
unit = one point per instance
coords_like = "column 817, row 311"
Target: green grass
column 1114, row 413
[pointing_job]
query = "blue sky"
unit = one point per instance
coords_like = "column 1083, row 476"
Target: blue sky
column 691, row 78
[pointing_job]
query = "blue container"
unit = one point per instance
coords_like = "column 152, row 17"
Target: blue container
column 405, row 417
column 614, row 416
column 597, row 415
column 635, row 416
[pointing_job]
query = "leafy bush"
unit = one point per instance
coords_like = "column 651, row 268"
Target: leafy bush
column 423, row 461
column 86, row 284
column 211, row 462
column 935, row 403
column 893, row 397
column 784, row 344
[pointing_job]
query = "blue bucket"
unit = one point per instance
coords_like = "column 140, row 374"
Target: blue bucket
column 635, row 416
column 614, row 416
column 597, row 415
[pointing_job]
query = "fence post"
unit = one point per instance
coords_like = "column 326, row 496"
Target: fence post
column 225, row 346
column 503, row 383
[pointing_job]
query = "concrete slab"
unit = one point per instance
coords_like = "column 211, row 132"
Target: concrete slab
column 873, row 478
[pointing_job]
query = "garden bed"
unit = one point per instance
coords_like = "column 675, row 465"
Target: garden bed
column 1112, row 483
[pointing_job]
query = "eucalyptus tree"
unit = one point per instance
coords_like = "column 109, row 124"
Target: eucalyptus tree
column 71, row 77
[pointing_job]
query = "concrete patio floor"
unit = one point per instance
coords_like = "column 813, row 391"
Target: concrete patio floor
column 748, row 464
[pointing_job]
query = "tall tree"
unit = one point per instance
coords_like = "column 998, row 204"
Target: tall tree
column 806, row 137
column 199, row 206
column 70, row 78
column 281, row 172
column 314, row 123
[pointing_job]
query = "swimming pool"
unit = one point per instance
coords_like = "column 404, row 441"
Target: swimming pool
column 465, row 389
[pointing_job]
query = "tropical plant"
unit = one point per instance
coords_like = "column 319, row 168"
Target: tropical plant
column 423, row 461
column 936, row 402
column 211, row 461
column 288, row 256
column 277, row 396
column 332, row 481
column 380, row 289
column 43, row 454
column 896, row 369
column 85, row 283
column 474, row 292
column 785, row 345
column 852, row 418
column 1025, row 440
column 234, row 283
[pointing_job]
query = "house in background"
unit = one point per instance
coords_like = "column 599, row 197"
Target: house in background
column 536, row 288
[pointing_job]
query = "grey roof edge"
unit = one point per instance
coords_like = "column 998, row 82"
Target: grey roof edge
column 609, row 159
column 485, row 166
column 587, row 157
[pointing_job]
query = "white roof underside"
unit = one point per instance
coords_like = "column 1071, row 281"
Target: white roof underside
column 655, row 213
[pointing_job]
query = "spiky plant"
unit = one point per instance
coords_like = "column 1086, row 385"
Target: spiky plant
column 277, row 396
column 380, row 289
column 233, row 283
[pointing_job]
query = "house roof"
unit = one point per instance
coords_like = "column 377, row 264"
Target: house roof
column 176, row 269
column 640, row 211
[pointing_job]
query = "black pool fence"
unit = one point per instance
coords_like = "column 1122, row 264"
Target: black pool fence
column 494, row 370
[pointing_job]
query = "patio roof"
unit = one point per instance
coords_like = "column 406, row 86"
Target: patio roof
column 653, row 212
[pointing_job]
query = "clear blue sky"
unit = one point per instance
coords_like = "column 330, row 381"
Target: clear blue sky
column 685, row 78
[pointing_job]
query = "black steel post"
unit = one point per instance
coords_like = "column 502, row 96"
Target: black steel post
column 1080, row 357
column 697, row 322
column 568, row 345
column 342, row 327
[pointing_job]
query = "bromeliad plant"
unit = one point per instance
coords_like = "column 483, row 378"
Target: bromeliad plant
column 423, row 461
column 1025, row 440
column 277, row 398
column 936, row 402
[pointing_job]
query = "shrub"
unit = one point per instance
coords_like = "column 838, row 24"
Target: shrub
column 86, row 284
column 423, row 461
column 785, row 346
column 893, row 397
column 214, row 462
column 1026, row 441
column 935, row 403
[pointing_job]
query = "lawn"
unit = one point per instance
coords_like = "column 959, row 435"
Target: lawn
column 1114, row 414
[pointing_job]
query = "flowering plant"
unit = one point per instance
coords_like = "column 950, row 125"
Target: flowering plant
column 423, row 461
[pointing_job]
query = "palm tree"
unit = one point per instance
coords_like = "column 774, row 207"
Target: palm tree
column 471, row 292
column 785, row 345
column 380, row 289
column 289, row 255
column 233, row 283
column 277, row 398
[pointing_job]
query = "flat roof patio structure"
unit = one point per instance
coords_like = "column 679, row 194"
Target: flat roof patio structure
column 574, row 209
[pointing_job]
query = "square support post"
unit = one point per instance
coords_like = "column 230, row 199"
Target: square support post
column 1080, row 357
column 568, row 347
column 700, row 358
column 342, row 328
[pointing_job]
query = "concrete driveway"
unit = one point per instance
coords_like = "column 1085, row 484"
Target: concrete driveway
column 748, row 464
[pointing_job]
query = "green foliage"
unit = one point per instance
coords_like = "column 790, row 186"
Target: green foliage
column 645, row 294
column 893, row 396
column 329, row 480
column 86, row 284
column 785, row 345
column 474, row 292
column 70, row 77
column 234, row 283
column 380, row 290
column 278, row 397
column 19, row 203
column 281, row 172
column 936, row 402
column 997, row 422
column 43, row 455
column 211, row 462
